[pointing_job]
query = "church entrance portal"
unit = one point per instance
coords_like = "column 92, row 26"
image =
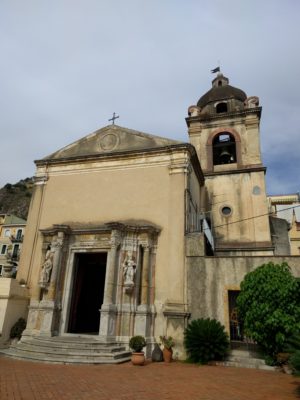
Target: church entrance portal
column 87, row 293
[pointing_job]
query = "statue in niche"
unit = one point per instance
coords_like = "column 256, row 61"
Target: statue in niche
column 46, row 268
column 129, row 271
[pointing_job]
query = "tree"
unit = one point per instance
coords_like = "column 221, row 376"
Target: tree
column 269, row 306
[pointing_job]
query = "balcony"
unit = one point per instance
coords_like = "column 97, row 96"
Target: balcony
column 16, row 239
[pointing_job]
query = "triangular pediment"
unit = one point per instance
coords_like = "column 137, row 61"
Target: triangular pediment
column 111, row 139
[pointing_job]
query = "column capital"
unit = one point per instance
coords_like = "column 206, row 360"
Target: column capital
column 146, row 246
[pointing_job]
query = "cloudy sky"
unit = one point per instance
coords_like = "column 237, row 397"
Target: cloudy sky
column 67, row 65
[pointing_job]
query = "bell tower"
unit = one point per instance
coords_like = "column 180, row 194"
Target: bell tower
column 224, row 129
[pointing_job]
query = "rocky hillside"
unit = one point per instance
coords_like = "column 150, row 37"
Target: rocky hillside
column 15, row 199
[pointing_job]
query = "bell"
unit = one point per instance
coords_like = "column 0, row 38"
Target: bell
column 225, row 156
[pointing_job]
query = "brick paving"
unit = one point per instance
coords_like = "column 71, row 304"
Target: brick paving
column 25, row 380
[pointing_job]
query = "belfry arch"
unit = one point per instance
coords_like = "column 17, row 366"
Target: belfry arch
column 231, row 145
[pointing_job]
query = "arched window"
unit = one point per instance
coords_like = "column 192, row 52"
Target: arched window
column 7, row 232
column 19, row 234
column 221, row 108
column 224, row 149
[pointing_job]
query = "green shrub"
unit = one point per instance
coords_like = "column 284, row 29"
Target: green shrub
column 292, row 346
column 294, row 361
column 18, row 328
column 137, row 343
column 205, row 340
column 292, row 343
column 269, row 307
column 270, row 361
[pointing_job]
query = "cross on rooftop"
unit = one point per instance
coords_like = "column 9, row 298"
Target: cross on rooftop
column 113, row 118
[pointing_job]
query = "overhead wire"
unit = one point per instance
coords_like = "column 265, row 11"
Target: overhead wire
column 250, row 218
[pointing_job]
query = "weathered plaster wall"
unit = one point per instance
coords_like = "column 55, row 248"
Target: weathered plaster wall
column 147, row 194
column 13, row 305
column 244, row 193
column 210, row 278
column 280, row 236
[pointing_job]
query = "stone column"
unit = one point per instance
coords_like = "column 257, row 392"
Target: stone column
column 110, row 269
column 143, row 313
column 145, row 275
column 56, row 247
column 108, row 309
column 49, row 308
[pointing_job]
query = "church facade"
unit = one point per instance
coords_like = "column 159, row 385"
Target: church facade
column 134, row 234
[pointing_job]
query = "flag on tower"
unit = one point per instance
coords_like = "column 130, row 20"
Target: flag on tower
column 213, row 71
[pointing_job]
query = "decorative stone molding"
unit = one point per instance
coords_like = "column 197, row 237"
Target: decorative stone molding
column 252, row 102
column 40, row 180
column 194, row 111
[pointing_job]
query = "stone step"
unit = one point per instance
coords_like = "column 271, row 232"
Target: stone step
column 65, row 359
column 68, row 350
column 254, row 361
column 245, row 359
column 78, row 346
column 244, row 353
column 58, row 340
column 242, row 364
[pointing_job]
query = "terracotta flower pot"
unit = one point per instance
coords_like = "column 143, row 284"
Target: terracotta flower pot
column 167, row 354
column 138, row 358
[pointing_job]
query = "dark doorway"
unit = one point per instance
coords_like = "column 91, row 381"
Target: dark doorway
column 238, row 339
column 87, row 293
column 236, row 327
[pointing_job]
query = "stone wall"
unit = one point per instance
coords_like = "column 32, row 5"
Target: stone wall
column 13, row 305
column 210, row 278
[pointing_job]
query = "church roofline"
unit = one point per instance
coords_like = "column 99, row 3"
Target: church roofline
column 119, row 139
column 127, row 153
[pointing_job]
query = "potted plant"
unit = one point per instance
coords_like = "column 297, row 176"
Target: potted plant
column 168, row 343
column 136, row 343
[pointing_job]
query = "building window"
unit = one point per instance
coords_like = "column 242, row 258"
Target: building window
column 15, row 251
column 19, row 234
column 226, row 211
column 3, row 250
column 224, row 149
column 1, row 270
column 221, row 108
column 7, row 232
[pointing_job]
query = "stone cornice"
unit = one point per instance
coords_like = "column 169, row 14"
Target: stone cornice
column 105, row 228
column 211, row 117
column 138, row 228
column 236, row 171
column 243, row 248
column 115, row 155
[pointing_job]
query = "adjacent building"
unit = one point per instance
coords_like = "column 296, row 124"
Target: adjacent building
column 287, row 207
column 12, row 229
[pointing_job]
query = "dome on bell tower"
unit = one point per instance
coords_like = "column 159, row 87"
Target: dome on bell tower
column 221, row 91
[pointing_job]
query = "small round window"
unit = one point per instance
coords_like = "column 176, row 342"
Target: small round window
column 226, row 211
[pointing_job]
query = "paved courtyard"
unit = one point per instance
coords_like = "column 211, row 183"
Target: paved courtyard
column 22, row 380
